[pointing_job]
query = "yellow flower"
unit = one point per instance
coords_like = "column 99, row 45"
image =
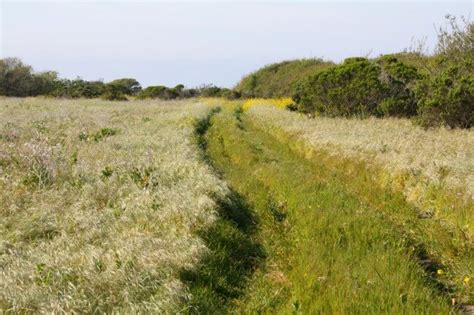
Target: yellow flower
column 278, row 102
column 440, row 271
column 467, row 279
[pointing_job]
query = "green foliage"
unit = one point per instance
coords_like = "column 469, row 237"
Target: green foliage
column 78, row 88
column 126, row 86
column 113, row 92
column 16, row 78
column 359, row 87
column 151, row 92
column 229, row 94
column 446, row 97
column 210, row 91
column 19, row 79
column 180, row 92
column 143, row 176
column 107, row 172
column 44, row 83
column 276, row 80
column 165, row 93
column 99, row 135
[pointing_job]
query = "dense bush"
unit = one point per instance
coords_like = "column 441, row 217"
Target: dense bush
column 78, row 88
column 125, row 86
column 214, row 91
column 277, row 80
column 44, row 83
column 446, row 97
column 359, row 87
column 16, row 78
column 161, row 92
column 438, row 88
column 179, row 92
column 113, row 92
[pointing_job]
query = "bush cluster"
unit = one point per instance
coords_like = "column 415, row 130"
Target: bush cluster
column 276, row 80
column 437, row 90
column 359, row 87
column 179, row 92
column 446, row 96
column 19, row 80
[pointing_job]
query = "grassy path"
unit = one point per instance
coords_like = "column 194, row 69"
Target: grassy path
column 318, row 236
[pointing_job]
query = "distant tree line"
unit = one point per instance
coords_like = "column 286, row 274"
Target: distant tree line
column 19, row 80
column 179, row 91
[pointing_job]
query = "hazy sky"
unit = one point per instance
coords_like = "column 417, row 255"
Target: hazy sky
column 207, row 42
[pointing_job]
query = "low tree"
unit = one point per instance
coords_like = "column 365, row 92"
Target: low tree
column 113, row 92
column 127, row 86
column 16, row 78
column 44, row 83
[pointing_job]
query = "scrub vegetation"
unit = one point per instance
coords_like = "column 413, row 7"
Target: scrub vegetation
column 433, row 90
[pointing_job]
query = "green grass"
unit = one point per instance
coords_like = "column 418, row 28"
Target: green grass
column 234, row 253
column 334, row 242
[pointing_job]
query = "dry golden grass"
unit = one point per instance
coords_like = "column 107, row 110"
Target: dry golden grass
column 99, row 204
column 434, row 168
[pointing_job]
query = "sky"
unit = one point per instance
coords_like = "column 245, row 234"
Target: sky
column 194, row 43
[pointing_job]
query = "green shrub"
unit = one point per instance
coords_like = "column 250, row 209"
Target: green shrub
column 126, row 86
column 16, row 78
column 151, row 92
column 113, row 92
column 359, row 87
column 277, row 80
column 78, row 88
column 446, row 97
column 162, row 92
column 44, row 83
column 180, row 92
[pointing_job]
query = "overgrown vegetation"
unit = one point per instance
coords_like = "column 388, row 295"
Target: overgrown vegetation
column 180, row 92
column 335, row 241
column 434, row 89
column 277, row 80
column 438, row 89
column 359, row 87
column 446, row 96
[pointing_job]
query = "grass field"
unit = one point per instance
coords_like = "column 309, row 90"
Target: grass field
column 205, row 206
column 433, row 168
column 100, row 203
column 335, row 240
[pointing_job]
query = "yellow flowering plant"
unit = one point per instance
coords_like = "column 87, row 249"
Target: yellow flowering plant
column 277, row 102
